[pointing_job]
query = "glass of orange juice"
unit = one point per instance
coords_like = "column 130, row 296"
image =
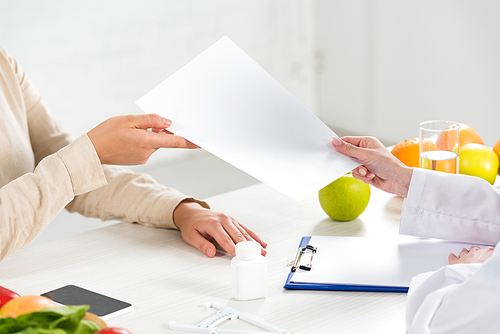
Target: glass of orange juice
column 439, row 145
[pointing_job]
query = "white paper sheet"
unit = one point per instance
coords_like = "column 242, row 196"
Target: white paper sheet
column 391, row 261
column 224, row 102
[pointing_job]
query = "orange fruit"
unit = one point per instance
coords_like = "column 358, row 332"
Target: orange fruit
column 25, row 304
column 467, row 136
column 408, row 151
column 92, row 317
column 496, row 149
column 447, row 166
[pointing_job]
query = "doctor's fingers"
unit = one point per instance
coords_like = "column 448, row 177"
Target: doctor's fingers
column 452, row 258
column 463, row 252
column 362, row 173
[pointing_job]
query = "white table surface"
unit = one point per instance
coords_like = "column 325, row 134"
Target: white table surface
column 166, row 279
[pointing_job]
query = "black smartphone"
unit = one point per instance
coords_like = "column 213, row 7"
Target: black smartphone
column 103, row 306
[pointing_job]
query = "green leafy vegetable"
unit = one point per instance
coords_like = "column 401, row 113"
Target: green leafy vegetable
column 87, row 327
column 56, row 320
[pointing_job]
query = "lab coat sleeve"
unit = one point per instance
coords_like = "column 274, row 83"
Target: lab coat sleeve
column 458, row 299
column 451, row 206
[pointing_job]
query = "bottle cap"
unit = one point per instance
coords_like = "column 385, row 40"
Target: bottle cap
column 248, row 250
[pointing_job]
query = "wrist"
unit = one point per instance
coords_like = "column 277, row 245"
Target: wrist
column 182, row 210
column 403, row 181
column 95, row 142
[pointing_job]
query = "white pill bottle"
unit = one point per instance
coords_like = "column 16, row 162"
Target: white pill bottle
column 248, row 272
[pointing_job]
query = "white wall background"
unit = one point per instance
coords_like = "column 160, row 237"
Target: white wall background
column 366, row 67
column 387, row 65
column 93, row 59
column 376, row 67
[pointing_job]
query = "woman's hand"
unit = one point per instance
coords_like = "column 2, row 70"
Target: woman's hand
column 379, row 167
column 198, row 225
column 125, row 140
column 474, row 254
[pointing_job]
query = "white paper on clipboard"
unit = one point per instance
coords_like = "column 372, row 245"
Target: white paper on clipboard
column 381, row 264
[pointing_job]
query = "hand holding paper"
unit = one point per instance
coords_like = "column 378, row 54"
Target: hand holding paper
column 125, row 140
column 224, row 102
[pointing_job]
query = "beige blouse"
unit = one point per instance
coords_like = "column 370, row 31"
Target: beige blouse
column 43, row 170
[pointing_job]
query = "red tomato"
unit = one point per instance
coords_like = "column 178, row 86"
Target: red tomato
column 6, row 295
column 112, row 330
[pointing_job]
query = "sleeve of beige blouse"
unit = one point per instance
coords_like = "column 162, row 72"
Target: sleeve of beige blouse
column 131, row 197
column 29, row 203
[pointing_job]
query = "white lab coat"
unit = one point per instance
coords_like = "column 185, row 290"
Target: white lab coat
column 453, row 207
column 461, row 298
column 456, row 299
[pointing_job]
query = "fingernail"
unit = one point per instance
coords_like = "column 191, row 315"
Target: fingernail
column 362, row 171
column 336, row 141
column 209, row 252
column 167, row 122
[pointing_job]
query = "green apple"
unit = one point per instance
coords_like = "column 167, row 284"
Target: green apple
column 478, row 160
column 345, row 198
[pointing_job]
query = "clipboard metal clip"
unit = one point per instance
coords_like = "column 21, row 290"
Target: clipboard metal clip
column 300, row 253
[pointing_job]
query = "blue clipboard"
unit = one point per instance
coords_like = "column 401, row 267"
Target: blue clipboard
column 291, row 285
column 409, row 255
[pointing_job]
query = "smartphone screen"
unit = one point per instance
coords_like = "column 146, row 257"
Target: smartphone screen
column 103, row 306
